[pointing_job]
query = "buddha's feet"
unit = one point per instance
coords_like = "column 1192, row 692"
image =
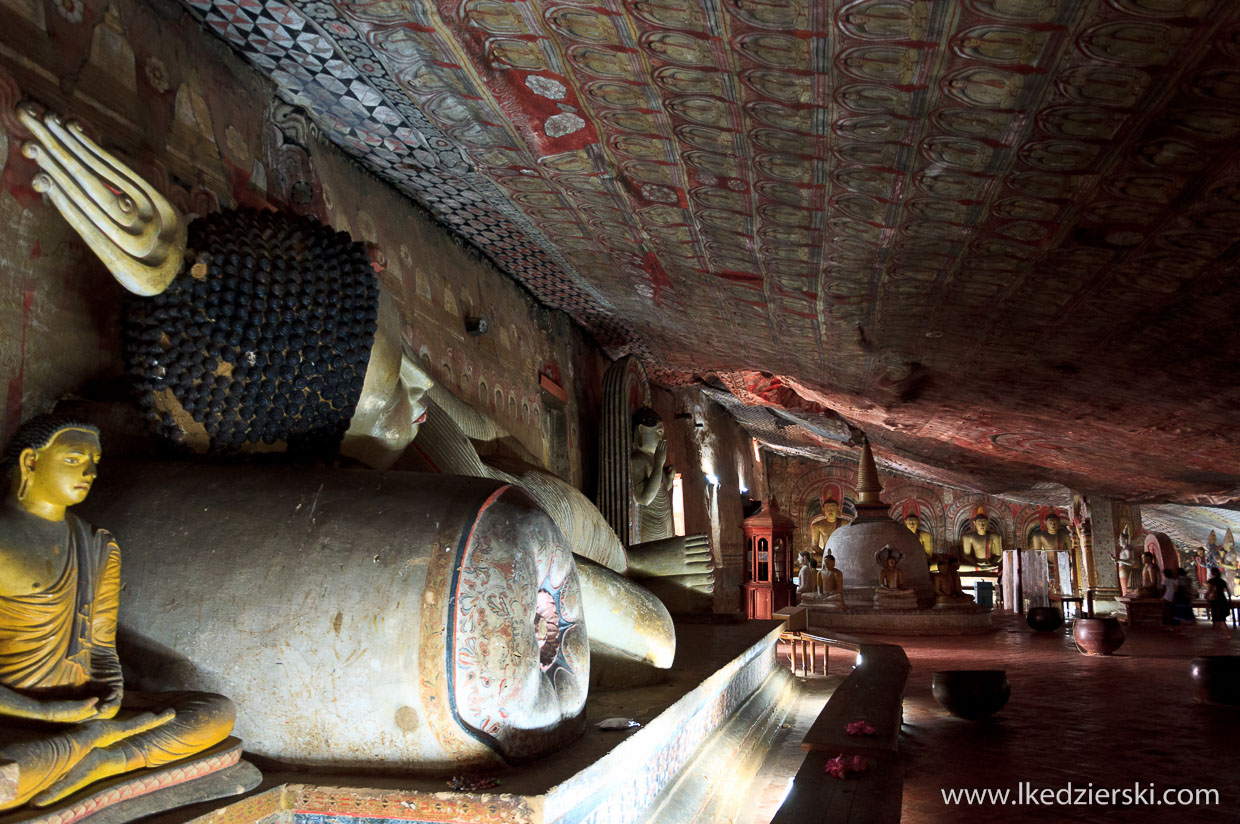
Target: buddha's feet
column 686, row 559
column 96, row 766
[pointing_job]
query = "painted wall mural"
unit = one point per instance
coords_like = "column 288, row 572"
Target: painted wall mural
column 944, row 513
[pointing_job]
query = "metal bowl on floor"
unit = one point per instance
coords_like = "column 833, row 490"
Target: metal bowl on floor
column 1216, row 679
column 1044, row 619
column 1097, row 636
column 971, row 694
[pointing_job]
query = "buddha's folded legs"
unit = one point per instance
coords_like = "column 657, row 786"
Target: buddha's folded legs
column 151, row 730
column 203, row 719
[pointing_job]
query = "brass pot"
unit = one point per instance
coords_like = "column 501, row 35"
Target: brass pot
column 971, row 694
column 1097, row 636
column 1216, row 679
column 1044, row 619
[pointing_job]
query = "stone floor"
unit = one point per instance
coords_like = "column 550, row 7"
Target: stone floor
column 1114, row 721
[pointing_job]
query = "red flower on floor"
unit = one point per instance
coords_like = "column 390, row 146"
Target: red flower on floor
column 842, row 766
column 860, row 728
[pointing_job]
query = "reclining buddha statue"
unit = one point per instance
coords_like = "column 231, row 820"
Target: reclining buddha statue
column 59, row 595
column 256, row 332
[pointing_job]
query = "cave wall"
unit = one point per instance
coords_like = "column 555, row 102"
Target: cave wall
column 206, row 130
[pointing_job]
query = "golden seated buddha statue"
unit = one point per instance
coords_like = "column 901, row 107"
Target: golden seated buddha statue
column 59, row 595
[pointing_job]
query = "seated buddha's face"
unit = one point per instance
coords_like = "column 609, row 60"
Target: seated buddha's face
column 62, row 472
column 831, row 510
column 981, row 525
column 913, row 523
column 1052, row 525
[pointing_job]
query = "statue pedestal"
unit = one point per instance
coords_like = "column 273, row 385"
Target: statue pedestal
column 1143, row 612
column 895, row 599
column 824, row 601
column 217, row 773
column 954, row 602
column 720, row 708
column 904, row 622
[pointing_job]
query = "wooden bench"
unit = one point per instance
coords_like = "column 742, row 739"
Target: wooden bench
column 1203, row 604
column 873, row 692
column 873, row 797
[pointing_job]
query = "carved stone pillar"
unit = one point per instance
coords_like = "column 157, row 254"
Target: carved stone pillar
column 1098, row 523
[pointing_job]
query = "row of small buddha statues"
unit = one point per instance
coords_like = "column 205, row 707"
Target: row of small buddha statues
column 825, row 587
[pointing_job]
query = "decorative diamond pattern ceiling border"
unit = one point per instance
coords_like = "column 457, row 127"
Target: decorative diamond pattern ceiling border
column 322, row 63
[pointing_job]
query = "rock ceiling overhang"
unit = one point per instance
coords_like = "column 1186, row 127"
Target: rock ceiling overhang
column 996, row 234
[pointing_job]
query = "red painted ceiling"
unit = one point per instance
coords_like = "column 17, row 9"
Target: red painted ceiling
column 997, row 235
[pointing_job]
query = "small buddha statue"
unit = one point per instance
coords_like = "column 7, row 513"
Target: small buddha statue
column 1151, row 577
column 59, row 593
column 948, row 590
column 830, row 586
column 891, row 592
column 821, row 527
column 1050, row 539
column 981, row 545
column 831, row 582
column 807, row 576
column 913, row 522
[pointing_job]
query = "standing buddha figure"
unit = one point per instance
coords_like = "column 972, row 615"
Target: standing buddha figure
column 1129, row 567
column 652, row 475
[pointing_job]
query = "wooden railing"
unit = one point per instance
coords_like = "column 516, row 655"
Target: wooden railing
column 873, row 692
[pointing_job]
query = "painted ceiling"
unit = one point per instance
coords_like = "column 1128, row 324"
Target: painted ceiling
column 1190, row 526
column 999, row 236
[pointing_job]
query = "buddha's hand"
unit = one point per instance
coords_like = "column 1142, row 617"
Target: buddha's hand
column 110, row 696
column 68, row 712
column 660, row 453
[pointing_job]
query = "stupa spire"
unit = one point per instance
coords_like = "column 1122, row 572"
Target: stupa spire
column 868, row 487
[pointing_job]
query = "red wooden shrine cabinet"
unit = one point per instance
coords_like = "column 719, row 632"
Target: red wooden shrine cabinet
column 768, row 561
